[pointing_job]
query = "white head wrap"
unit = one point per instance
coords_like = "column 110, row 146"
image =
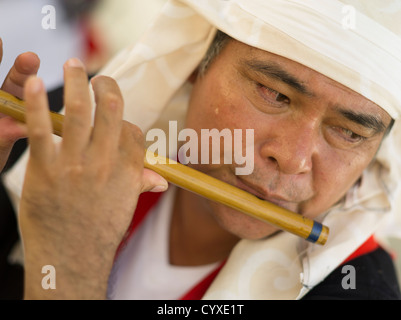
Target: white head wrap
column 356, row 43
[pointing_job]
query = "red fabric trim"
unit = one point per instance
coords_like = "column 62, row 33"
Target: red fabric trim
column 197, row 292
column 146, row 201
column 367, row 247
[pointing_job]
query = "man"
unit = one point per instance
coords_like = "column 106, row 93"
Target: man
column 321, row 122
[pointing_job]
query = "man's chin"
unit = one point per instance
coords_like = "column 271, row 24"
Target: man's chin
column 242, row 225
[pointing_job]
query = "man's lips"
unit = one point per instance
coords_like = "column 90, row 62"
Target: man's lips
column 264, row 195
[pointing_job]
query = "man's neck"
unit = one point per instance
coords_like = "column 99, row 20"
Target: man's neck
column 195, row 236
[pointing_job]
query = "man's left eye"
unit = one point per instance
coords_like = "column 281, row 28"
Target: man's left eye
column 349, row 136
column 273, row 96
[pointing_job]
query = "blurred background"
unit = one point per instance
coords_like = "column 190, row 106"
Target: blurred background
column 92, row 30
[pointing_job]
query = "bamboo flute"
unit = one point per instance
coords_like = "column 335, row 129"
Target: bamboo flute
column 202, row 184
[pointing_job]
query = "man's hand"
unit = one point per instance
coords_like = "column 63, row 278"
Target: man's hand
column 78, row 198
column 25, row 65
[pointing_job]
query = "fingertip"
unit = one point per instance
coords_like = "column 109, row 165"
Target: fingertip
column 160, row 184
column 101, row 82
column 39, row 127
column 27, row 63
column 159, row 189
column 153, row 182
column 74, row 63
column 34, row 85
column 95, row 79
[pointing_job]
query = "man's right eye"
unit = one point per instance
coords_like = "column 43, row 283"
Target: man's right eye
column 272, row 96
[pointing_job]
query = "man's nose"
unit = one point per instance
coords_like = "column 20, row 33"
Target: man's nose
column 292, row 150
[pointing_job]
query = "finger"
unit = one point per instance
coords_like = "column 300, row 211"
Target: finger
column 153, row 182
column 132, row 151
column 38, row 121
column 109, row 114
column 10, row 132
column 78, row 109
column 26, row 65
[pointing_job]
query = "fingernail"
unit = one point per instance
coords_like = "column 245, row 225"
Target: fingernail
column 75, row 63
column 160, row 188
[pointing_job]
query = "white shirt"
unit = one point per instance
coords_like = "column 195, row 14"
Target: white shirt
column 142, row 270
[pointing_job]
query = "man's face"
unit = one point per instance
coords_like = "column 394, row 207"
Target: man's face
column 312, row 136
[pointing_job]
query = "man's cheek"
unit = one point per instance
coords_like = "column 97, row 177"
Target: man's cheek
column 244, row 152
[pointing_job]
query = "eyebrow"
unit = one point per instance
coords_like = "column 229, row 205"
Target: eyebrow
column 273, row 70
column 367, row 120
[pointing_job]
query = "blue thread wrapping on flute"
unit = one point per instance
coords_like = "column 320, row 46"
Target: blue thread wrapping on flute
column 316, row 231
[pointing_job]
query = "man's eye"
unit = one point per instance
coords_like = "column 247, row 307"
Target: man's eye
column 350, row 136
column 272, row 95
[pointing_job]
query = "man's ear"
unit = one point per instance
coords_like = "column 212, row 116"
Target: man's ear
column 194, row 75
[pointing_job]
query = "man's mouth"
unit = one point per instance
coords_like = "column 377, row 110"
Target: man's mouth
column 265, row 195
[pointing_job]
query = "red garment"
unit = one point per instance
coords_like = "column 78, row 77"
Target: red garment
column 367, row 247
column 148, row 200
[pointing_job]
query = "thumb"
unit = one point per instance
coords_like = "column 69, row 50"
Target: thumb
column 25, row 65
column 10, row 132
column 153, row 182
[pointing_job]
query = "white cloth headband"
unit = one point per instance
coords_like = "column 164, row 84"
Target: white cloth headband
column 364, row 56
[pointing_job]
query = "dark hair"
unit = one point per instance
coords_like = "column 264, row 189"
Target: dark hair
column 389, row 127
column 218, row 43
